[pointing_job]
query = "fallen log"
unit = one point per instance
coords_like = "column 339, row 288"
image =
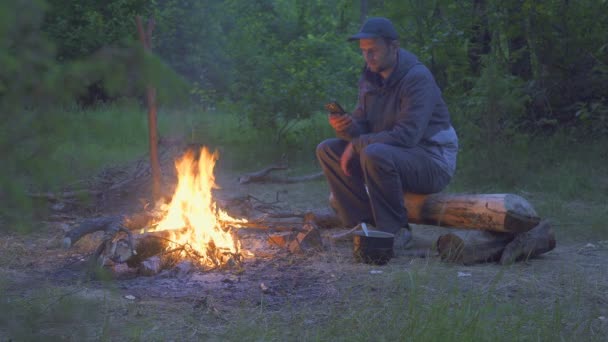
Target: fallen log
column 473, row 246
column 111, row 225
column 539, row 240
column 506, row 213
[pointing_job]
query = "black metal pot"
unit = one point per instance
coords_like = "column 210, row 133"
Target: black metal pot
column 374, row 248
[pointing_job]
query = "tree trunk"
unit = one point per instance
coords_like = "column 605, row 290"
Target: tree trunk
column 519, row 49
column 479, row 43
column 146, row 39
column 363, row 9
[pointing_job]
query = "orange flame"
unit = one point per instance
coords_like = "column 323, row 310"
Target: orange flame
column 192, row 215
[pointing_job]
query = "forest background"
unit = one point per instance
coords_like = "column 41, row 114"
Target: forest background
column 525, row 81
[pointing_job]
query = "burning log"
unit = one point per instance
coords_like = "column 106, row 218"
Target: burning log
column 141, row 253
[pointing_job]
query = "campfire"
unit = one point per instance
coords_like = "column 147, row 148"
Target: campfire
column 192, row 218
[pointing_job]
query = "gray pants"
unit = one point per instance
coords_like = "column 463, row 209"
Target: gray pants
column 388, row 172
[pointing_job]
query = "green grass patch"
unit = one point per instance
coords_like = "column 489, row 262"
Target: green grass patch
column 412, row 305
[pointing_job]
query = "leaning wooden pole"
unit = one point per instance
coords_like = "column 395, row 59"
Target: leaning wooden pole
column 146, row 37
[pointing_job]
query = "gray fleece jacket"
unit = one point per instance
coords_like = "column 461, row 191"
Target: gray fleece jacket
column 406, row 110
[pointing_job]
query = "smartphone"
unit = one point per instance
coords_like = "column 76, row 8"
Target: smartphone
column 334, row 108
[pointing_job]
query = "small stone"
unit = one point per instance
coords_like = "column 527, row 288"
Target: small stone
column 150, row 266
column 602, row 318
column 64, row 227
column 184, row 268
column 59, row 206
column 464, row 274
column 375, row 272
column 130, row 297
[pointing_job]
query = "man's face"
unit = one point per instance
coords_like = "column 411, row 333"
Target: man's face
column 378, row 55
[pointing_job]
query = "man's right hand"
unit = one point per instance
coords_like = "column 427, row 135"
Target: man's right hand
column 340, row 122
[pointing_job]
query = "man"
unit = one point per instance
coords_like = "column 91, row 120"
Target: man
column 398, row 139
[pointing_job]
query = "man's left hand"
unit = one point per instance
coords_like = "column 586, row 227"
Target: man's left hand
column 340, row 122
column 347, row 155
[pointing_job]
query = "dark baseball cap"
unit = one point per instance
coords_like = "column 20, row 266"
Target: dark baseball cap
column 376, row 27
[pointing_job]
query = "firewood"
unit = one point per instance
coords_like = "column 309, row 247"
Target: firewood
column 143, row 247
column 308, row 240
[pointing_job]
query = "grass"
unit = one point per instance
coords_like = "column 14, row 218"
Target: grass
column 419, row 303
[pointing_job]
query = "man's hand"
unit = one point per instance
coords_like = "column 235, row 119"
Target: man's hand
column 347, row 155
column 340, row 122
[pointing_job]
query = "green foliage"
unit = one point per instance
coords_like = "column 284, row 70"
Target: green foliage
column 437, row 32
column 189, row 38
column 287, row 62
column 80, row 28
column 487, row 120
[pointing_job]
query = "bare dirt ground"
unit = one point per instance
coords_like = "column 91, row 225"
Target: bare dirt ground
column 34, row 266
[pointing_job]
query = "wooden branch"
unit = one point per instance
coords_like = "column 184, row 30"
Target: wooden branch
column 62, row 196
column 263, row 176
column 257, row 177
column 265, row 225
